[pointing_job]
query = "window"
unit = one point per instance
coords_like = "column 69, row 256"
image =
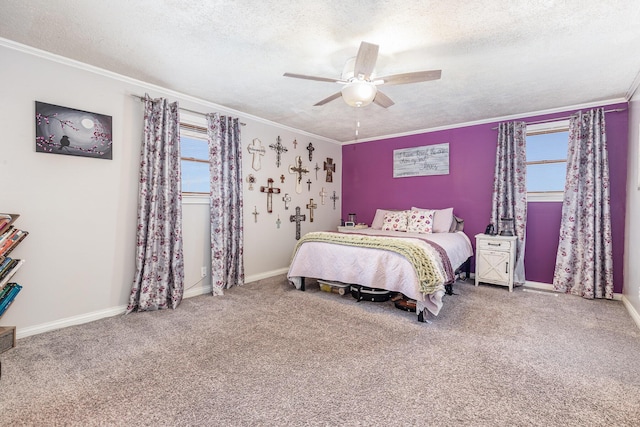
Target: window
column 547, row 160
column 194, row 161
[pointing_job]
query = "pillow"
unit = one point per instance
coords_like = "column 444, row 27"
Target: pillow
column 442, row 219
column 378, row 219
column 456, row 225
column 420, row 221
column 395, row 221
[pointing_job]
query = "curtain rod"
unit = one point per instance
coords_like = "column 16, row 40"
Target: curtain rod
column 141, row 98
column 615, row 110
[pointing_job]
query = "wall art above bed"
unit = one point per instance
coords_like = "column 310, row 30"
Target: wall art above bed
column 421, row 161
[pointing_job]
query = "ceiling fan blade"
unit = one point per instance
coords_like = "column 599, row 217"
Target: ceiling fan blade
column 366, row 60
column 328, row 99
column 383, row 100
column 320, row 79
column 415, row 77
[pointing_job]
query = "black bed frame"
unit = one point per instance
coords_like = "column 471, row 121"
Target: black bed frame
column 448, row 288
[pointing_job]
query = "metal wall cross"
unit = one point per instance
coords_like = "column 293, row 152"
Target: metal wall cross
column 330, row 167
column 311, row 206
column 279, row 148
column 309, row 184
column 297, row 218
column 317, row 168
column 334, row 198
column 258, row 151
column 270, row 190
column 310, row 149
column 298, row 169
column 255, row 213
column 323, row 194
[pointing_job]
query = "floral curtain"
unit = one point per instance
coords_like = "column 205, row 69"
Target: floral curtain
column 225, row 165
column 159, row 277
column 584, row 263
column 510, row 187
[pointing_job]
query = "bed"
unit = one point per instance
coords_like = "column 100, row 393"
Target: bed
column 420, row 265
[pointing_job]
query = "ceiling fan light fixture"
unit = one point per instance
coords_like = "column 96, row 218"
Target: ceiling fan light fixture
column 359, row 93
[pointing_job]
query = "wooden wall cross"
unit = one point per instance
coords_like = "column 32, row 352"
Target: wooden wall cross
column 330, row 167
column 334, row 198
column 279, row 148
column 297, row 218
column 298, row 169
column 311, row 206
column 310, row 150
column 295, row 143
column 258, row 151
column 286, row 199
column 270, row 190
column 323, row 194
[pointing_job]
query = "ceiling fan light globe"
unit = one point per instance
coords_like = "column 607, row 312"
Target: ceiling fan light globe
column 359, row 93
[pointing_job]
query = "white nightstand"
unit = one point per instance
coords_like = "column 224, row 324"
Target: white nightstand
column 495, row 259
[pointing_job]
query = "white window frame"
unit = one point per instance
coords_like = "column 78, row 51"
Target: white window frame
column 537, row 129
column 195, row 127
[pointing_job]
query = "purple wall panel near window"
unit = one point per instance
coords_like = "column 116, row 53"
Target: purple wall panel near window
column 368, row 183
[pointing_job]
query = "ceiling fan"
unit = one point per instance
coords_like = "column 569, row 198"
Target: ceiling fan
column 361, row 85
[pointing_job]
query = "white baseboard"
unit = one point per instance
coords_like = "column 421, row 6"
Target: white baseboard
column 632, row 310
column 114, row 311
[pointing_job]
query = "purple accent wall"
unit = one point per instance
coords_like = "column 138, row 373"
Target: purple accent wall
column 368, row 184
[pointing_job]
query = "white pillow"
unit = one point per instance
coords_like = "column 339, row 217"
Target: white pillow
column 442, row 219
column 395, row 221
column 378, row 219
column 420, row 221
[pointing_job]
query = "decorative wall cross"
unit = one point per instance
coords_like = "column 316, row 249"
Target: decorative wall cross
column 317, row 168
column 309, row 184
column 281, row 179
column 323, row 194
column 251, row 180
column 297, row 218
column 279, row 148
column 330, row 167
column 286, row 199
column 298, row 169
column 278, row 222
column 270, row 190
column 311, row 206
column 295, row 143
column 310, row 149
column 255, row 213
column 334, row 198
column 258, row 151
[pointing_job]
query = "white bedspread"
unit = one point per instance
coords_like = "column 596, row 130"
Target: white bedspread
column 377, row 268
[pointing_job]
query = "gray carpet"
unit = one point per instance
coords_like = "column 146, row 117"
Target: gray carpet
column 266, row 354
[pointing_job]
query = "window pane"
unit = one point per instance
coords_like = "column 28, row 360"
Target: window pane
column 547, row 177
column 547, row 146
column 195, row 177
column 194, row 148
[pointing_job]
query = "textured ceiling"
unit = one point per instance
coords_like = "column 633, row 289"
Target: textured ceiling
column 498, row 58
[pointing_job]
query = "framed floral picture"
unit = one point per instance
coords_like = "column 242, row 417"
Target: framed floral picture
column 63, row 130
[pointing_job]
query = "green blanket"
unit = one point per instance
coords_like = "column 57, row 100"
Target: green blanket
column 424, row 265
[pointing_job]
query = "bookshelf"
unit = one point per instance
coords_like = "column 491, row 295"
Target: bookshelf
column 10, row 238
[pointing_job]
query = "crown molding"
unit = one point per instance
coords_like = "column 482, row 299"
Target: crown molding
column 152, row 88
column 493, row 120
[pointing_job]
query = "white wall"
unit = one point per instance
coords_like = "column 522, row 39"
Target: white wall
column 81, row 212
column 631, row 288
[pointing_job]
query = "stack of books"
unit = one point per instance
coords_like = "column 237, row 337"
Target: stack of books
column 10, row 236
column 7, row 295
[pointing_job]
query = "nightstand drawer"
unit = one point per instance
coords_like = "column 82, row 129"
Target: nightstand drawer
column 494, row 244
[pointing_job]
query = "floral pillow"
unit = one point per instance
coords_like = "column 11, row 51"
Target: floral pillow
column 420, row 221
column 395, row 221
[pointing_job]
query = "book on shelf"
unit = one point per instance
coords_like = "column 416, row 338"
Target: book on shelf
column 9, row 297
column 8, row 231
column 10, row 273
column 10, row 243
column 7, row 266
column 5, row 290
